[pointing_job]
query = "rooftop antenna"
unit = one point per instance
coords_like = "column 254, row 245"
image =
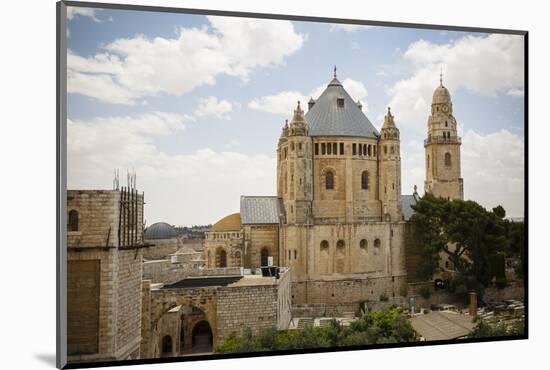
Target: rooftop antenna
column 334, row 71
column 116, row 181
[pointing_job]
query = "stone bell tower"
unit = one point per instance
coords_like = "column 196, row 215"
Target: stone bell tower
column 294, row 169
column 442, row 148
column 390, row 169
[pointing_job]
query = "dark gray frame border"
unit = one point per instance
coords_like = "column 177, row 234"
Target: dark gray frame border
column 61, row 173
column 61, row 189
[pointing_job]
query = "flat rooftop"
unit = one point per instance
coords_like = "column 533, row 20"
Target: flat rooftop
column 226, row 280
column 442, row 325
column 201, row 282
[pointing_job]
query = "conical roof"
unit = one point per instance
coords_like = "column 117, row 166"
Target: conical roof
column 329, row 117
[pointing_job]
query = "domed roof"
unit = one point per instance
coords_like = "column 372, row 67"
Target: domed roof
column 228, row 223
column 335, row 113
column 160, row 230
column 441, row 95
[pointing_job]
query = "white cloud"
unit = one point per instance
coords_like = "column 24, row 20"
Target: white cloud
column 486, row 65
column 284, row 102
column 84, row 12
column 493, row 169
column 348, row 27
column 138, row 67
column 181, row 188
column 492, row 166
column 211, row 106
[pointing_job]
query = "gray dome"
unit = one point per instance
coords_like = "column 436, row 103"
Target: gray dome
column 328, row 118
column 160, row 230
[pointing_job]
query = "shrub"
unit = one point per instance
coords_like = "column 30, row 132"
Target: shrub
column 425, row 292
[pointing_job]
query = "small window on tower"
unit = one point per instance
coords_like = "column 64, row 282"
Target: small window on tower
column 385, row 149
column 329, row 148
column 354, row 148
column 299, row 146
column 341, row 148
column 446, row 125
column 316, row 148
column 291, row 147
column 340, row 102
column 334, row 148
column 323, row 148
column 447, row 159
column 374, row 150
column 360, row 149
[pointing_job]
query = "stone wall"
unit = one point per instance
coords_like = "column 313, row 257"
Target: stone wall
column 375, row 249
column 98, row 214
column 346, row 291
column 257, row 307
column 119, row 302
column 107, row 299
column 128, row 301
column 119, row 275
column 258, row 237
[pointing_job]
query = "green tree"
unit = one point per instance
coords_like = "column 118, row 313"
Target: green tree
column 378, row 326
column 466, row 232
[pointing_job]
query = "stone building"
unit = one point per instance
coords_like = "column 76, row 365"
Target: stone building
column 193, row 315
column 339, row 220
column 249, row 238
column 104, row 269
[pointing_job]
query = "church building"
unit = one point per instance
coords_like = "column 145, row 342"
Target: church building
column 339, row 220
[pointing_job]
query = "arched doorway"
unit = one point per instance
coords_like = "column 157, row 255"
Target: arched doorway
column 201, row 337
column 167, row 346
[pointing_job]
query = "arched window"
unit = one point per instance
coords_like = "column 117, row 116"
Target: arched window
column 329, row 181
column 363, row 244
column 263, row 257
column 377, row 245
column 73, row 220
column 365, row 180
column 324, row 245
column 340, row 246
column 237, row 259
column 448, row 159
column 221, row 258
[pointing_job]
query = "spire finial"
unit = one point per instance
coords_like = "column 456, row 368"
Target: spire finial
column 334, row 71
column 298, row 104
column 389, row 111
column 441, row 76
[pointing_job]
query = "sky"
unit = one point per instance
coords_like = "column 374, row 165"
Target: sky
column 195, row 104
